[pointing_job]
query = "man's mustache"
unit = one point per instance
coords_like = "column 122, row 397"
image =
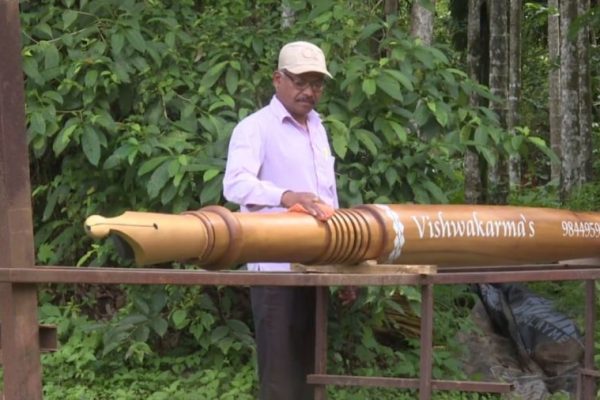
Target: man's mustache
column 306, row 99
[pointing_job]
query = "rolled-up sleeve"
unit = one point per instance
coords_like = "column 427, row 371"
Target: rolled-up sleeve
column 241, row 183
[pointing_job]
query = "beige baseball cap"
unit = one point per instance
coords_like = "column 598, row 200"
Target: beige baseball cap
column 300, row 57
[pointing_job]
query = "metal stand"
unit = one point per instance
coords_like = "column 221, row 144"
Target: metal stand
column 425, row 383
column 28, row 277
column 587, row 375
column 20, row 336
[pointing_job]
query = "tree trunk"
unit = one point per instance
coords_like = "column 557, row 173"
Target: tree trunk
column 514, row 84
column 593, row 32
column 585, row 98
column 569, row 104
column 473, row 192
column 390, row 13
column 497, row 189
column 390, row 7
column 288, row 17
column 473, row 184
column 422, row 22
column 554, row 85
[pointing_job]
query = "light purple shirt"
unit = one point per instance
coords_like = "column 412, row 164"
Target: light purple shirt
column 270, row 153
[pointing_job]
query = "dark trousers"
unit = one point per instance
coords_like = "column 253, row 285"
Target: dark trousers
column 284, row 323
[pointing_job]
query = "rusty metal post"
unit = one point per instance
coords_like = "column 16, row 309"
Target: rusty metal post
column 426, row 362
column 588, row 383
column 18, row 302
column 321, row 340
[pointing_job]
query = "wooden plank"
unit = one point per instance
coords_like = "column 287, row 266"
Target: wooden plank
column 368, row 267
column 408, row 383
column 426, row 351
column 156, row 276
column 322, row 303
column 18, row 302
column 588, row 379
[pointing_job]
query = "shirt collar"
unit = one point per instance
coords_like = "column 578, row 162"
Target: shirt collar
column 282, row 113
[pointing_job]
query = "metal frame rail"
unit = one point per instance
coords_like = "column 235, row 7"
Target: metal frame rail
column 425, row 384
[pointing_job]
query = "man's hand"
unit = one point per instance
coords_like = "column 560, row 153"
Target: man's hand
column 308, row 202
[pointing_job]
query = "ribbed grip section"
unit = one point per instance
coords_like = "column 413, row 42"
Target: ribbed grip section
column 349, row 238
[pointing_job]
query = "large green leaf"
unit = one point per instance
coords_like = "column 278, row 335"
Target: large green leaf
column 368, row 139
column 158, row 179
column 63, row 138
column 37, row 123
column 135, row 39
column 389, row 85
column 90, row 144
column 214, row 73
column 401, row 77
column 151, row 165
column 369, row 86
column 68, row 17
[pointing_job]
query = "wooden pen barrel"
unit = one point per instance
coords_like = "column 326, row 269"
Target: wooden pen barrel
column 214, row 237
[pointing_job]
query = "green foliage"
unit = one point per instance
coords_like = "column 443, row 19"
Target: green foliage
column 399, row 113
column 379, row 334
column 536, row 196
column 130, row 105
column 400, row 117
column 124, row 111
column 135, row 355
column 159, row 381
column 585, row 198
column 395, row 394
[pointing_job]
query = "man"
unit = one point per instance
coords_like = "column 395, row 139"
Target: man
column 280, row 157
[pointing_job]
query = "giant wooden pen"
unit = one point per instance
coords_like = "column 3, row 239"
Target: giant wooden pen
column 215, row 238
